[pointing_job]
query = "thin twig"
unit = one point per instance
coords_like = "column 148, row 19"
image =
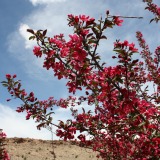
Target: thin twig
column 130, row 17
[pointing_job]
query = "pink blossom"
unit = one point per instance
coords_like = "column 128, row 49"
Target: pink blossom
column 117, row 21
column 8, row 76
column 37, row 51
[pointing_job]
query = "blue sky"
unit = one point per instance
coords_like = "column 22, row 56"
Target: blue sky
column 17, row 57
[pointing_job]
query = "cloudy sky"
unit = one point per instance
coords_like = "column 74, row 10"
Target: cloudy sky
column 16, row 55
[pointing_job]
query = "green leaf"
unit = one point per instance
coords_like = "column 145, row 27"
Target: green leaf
column 95, row 30
column 5, row 85
column 142, row 124
column 89, row 35
column 31, row 37
column 118, row 51
column 92, row 41
column 17, row 82
column 50, row 113
column 3, row 82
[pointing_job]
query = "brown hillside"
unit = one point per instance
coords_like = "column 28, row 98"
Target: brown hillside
column 33, row 149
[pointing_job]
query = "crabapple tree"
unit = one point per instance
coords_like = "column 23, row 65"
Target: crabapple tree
column 124, row 121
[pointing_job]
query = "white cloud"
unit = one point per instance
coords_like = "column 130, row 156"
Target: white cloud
column 15, row 125
column 23, row 32
column 36, row 2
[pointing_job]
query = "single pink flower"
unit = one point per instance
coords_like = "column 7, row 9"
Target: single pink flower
column 14, row 76
column 37, row 51
column 117, row 21
column 8, row 76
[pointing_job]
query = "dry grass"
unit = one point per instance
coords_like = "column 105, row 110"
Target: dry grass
column 33, row 149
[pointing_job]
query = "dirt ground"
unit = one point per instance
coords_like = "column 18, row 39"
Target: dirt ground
column 33, row 149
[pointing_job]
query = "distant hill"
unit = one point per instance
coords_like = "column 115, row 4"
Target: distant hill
column 34, row 149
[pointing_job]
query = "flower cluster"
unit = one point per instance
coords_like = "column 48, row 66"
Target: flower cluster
column 152, row 63
column 155, row 9
column 117, row 21
column 37, row 51
column 3, row 153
